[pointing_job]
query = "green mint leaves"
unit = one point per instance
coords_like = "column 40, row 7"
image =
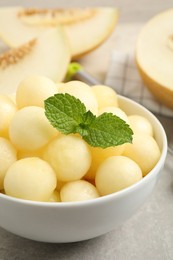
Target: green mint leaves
column 68, row 114
column 64, row 112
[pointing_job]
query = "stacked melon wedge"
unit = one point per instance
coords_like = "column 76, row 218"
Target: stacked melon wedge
column 44, row 41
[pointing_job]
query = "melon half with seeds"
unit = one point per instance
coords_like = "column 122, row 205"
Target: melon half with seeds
column 86, row 28
column 154, row 56
column 47, row 55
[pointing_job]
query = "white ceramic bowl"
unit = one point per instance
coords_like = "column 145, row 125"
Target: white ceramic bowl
column 76, row 221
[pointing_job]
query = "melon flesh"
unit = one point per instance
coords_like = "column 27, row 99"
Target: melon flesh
column 86, row 29
column 88, row 34
column 13, row 31
column 154, row 56
column 46, row 55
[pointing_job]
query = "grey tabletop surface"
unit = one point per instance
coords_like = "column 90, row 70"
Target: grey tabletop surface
column 149, row 233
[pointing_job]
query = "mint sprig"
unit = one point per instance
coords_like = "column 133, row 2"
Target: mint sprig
column 69, row 115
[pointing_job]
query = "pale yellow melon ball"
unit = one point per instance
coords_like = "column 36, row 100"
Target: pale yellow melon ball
column 144, row 151
column 7, row 111
column 99, row 155
column 140, row 124
column 69, row 156
column 116, row 173
column 30, row 179
column 8, row 155
column 83, row 92
column 78, row 191
column 105, row 96
column 55, row 197
column 115, row 111
column 30, row 129
column 33, row 90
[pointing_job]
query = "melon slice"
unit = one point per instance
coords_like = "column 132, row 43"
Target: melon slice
column 154, row 56
column 86, row 35
column 86, row 29
column 13, row 31
column 46, row 55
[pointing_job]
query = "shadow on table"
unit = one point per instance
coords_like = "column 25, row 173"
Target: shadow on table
column 18, row 248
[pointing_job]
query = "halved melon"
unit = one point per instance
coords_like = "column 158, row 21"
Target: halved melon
column 154, row 56
column 47, row 55
column 86, row 29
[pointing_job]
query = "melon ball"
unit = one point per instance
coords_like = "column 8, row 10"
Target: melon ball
column 7, row 111
column 33, row 90
column 55, row 197
column 140, row 124
column 30, row 129
column 117, row 173
column 78, row 191
column 105, row 96
column 99, row 155
column 83, row 92
column 69, row 156
column 8, row 155
column 30, row 179
column 144, row 151
column 115, row 111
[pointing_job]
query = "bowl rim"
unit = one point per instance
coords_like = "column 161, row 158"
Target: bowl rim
column 109, row 197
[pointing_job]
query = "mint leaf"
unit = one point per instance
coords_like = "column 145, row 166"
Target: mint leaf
column 108, row 130
column 65, row 112
column 68, row 114
column 88, row 118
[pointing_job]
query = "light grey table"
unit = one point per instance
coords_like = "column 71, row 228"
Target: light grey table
column 149, row 233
